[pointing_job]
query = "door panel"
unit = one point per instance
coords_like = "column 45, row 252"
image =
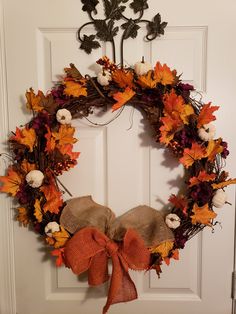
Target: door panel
column 120, row 164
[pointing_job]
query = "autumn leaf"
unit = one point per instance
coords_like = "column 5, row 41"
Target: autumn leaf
column 163, row 249
column 203, row 176
column 53, row 197
column 179, row 202
column 65, row 135
column 67, row 150
column 168, row 129
column 48, row 103
column 51, row 141
column 22, row 216
column 26, row 166
column 73, row 72
column 222, row 185
column 175, row 107
column 206, row 115
column 174, row 255
column 59, row 254
column 190, row 155
column 11, row 182
column 75, row 89
column 147, row 80
column 122, row 98
column 33, row 101
column 38, row 211
column 123, row 78
column 60, row 237
column 26, row 136
column 163, row 74
column 213, row 148
column 202, row 215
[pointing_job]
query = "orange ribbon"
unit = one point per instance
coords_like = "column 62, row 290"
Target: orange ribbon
column 89, row 249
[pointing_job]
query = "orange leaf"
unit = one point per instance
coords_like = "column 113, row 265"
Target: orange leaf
column 174, row 255
column 163, row 249
column 202, row 215
column 179, row 202
column 65, row 135
column 123, row 78
column 163, row 74
column 33, row 101
column 222, row 185
column 168, row 129
column 53, row 197
column 51, row 141
column 23, row 216
column 67, row 150
column 175, row 107
column 75, row 89
column 59, row 253
column 147, row 80
column 25, row 137
column 203, row 176
column 206, row 115
column 122, row 98
column 196, row 152
column 11, row 182
column 213, row 148
column 27, row 167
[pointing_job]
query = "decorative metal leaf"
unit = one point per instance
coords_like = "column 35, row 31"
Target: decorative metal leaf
column 156, row 27
column 131, row 29
column 106, row 31
column 89, row 5
column 113, row 10
column 139, row 5
column 89, row 43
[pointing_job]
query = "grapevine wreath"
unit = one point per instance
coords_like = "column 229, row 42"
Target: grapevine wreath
column 84, row 235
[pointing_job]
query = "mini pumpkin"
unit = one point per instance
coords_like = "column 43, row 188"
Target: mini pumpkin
column 219, row 198
column 141, row 68
column 207, row 132
column 172, row 221
column 103, row 78
column 64, row 116
column 34, row 178
column 51, row 227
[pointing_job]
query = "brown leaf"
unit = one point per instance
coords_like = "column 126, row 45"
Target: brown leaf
column 73, row 72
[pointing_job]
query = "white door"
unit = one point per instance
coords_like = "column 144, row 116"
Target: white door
column 119, row 166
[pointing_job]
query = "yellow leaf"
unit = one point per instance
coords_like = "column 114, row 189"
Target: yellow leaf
column 75, row 89
column 26, row 136
column 163, row 249
column 38, row 211
column 213, row 148
column 60, row 237
column 202, row 215
column 11, row 182
column 23, row 216
column 222, row 185
column 122, row 98
column 147, row 80
column 64, row 135
column 196, row 152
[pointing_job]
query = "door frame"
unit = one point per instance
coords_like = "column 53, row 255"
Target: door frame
column 7, row 269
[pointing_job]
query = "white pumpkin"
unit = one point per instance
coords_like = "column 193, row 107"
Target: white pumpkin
column 172, row 221
column 141, row 68
column 64, row 116
column 219, row 198
column 34, row 178
column 207, row 132
column 51, row 227
column 104, row 78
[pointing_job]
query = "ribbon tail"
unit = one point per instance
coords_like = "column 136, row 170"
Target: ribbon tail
column 122, row 288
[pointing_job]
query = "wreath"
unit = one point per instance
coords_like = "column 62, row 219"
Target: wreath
column 83, row 234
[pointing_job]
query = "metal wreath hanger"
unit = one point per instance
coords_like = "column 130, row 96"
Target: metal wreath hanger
column 106, row 29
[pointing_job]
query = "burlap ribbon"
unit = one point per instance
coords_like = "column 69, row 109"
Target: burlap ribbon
column 89, row 249
column 98, row 236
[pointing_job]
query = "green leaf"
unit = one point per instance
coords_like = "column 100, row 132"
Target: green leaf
column 89, row 43
column 139, row 5
column 131, row 29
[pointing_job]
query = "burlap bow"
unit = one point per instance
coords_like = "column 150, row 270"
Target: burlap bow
column 98, row 236
column 89, row 249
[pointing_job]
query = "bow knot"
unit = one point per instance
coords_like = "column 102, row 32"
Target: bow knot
column 89, row 249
